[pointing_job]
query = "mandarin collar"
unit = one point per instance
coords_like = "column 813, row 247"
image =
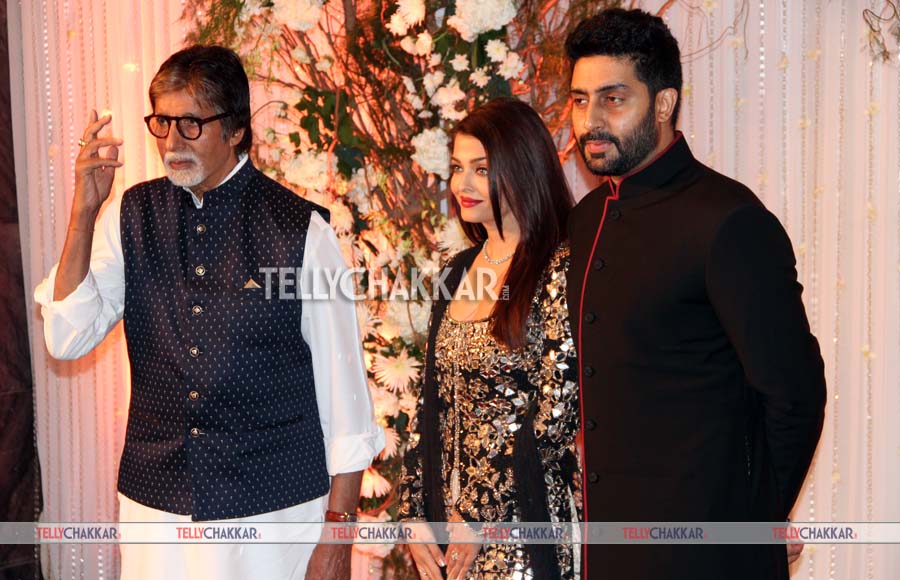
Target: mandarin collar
column 227, row 192
column 660, row 171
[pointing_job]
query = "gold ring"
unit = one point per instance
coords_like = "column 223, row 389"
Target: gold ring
column 82, row 142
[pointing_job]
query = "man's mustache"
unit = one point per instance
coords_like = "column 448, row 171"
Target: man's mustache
column 172, row 156
column 598, row 135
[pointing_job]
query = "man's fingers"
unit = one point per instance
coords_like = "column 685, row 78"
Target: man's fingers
column 92, row 163
column 93, row 146
column 95, row 124
column 112, row 153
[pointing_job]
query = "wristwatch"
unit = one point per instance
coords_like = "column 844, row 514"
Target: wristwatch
column 332, row 516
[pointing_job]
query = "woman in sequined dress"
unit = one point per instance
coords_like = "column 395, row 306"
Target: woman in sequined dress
column 494, row 435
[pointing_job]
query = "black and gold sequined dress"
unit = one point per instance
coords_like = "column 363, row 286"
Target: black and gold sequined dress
column 484, row 392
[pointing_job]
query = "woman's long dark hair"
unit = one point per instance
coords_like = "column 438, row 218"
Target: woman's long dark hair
column 524, row 170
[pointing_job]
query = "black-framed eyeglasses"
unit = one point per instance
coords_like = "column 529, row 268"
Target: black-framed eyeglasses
column 188, row 127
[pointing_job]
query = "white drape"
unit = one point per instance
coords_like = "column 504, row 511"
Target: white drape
column 67, row 57
column 791, row 103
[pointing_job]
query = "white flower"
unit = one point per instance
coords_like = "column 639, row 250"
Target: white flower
column 297, row 14
column 424, row 44
column 496, row 50
column 416, row 102
column 409, row 404
column 426, row 115
column 358, row 192
column 474, row 17
column 373, row 484
column 397, row 25
column 396, row 372
column 384, row 249
column 480, row 78
column 450, row 237
column 391, row 443
column 384, row 403
column 432, row 151
column 300, row 55
column 453, row 114
column 406, row 318
column 460, row 62
column 448, row 95
column 511, row 67
column 408, row 44
column 325, row 64
column 352, row 255
column 412, row 11
column 341, row 218
column 446, row 98
column 409, row 84
column 432, row 81
column 367, row 320
column 308, row 170
column 251, row 9
column 434, row 59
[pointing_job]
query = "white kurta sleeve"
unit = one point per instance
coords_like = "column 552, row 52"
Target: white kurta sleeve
column 75, row 325
column 330, row 328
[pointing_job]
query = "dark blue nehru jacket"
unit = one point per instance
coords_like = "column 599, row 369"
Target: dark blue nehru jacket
column 223, row 420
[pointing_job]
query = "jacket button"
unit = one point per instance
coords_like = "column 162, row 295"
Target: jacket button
column 196, row 310
column 598, row 264
column 593, row 477
column 200, row 271
column 588, row 371
column 201, row 228
column 195, row 432
column 194, row 351
column 615, row 214
column 193, row 395
column 590, row 317
column 590, row 424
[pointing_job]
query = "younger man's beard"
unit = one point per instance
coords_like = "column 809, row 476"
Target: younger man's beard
column 633, row 148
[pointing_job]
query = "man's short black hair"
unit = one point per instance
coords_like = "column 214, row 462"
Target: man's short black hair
column 637, row 35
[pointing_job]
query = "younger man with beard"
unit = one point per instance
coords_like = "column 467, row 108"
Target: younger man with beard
column 702, row 388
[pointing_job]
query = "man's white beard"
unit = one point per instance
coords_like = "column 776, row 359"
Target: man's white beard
column 184, row 177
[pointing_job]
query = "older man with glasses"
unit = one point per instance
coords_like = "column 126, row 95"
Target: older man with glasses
column 243, row 406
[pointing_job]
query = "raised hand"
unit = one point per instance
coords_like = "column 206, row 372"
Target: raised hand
column 93, row 182
column 94, row 173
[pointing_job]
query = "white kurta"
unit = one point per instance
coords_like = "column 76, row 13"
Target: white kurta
column 77, row 324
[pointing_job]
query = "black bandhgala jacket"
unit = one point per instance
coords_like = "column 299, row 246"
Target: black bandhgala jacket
column 702, row 387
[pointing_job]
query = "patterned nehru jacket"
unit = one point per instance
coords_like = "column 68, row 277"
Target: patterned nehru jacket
column 223, row 420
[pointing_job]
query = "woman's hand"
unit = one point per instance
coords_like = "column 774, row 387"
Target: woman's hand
column 427, row 556
column 464, row 547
